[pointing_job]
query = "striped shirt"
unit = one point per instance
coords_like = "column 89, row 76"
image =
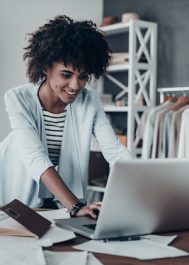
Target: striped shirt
column 54, row 128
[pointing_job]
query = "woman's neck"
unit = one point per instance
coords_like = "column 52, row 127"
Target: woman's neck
column 49, row 101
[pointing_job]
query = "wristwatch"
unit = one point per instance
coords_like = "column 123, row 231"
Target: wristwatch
column 75, row 208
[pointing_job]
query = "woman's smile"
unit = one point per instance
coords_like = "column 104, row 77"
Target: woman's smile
column 64, row 83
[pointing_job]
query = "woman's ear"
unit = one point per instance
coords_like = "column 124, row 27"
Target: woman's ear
column 45, row 71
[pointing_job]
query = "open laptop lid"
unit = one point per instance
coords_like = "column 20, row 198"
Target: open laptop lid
column 141, row 197
column 145, row 196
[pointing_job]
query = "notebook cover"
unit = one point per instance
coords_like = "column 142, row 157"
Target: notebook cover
column 27, row 217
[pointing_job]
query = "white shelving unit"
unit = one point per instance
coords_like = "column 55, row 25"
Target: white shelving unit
column 142, row 41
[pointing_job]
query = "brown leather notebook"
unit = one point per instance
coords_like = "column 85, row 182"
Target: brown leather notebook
column 34, row 222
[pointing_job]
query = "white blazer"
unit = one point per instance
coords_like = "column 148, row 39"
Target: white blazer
column 24, row 154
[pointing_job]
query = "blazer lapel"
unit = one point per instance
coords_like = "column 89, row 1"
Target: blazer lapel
column 69, row 166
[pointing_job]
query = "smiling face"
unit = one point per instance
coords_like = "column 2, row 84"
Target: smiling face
column 63, row 83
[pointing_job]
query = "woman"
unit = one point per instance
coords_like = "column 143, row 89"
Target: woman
column 45, row 157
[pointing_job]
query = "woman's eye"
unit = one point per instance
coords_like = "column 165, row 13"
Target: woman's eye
column 66, row 76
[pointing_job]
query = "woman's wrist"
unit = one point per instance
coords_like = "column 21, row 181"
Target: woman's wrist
column 76, row 208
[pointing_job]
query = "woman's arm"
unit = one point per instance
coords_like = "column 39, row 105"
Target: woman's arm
column 59, row 189
column 111, row 147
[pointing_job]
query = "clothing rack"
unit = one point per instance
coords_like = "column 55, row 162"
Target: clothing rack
column 164, row 90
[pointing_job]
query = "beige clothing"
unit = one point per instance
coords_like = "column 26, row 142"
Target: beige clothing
column 175, row 132
column 149, row 129
column 166, row 134
column 183, row 148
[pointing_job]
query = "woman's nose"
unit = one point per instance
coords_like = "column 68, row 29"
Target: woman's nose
column 75, row 84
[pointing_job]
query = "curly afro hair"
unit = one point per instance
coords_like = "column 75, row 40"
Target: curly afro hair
column 77, row 43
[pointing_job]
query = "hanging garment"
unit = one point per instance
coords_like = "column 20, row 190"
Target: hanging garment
column 163, row 152
column 175, row 132
column 162, row 127
column 158, row 130
column 149, row 129
column 183, row 147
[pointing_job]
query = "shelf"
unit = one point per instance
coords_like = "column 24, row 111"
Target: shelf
column 116, row 28
column 113, row 108
column 118, row 67
column 126, row 66
column 96, row 188
column 123, row 27
column 140, row 75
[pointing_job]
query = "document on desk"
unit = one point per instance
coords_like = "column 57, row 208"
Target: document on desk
column 144, row 249
column 53, row 235
column 55, row 214
column 31, row 223
column 20, row 251
column 10, row 227
column 70, row 258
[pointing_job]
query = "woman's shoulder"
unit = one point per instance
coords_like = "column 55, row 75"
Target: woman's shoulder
column 25, row 89
column 23, row 93
column 21, row 96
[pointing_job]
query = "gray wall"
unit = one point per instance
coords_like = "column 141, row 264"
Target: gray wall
column 172, row 17
column 23, row 16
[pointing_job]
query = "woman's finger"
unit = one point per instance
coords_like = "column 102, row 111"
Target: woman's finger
column 94, row 206
column 89, row 210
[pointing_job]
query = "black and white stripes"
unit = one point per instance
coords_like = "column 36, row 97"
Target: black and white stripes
column 54, row 128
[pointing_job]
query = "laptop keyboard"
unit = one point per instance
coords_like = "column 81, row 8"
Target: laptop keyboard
column 91, row 226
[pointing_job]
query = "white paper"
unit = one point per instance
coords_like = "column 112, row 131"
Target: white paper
column 65, row 258
column 3, row 215
column 92, row 260
column 164, row 240
column 55, row 214
column 70, row 258
column 142, row 249
column 20, row 251
column 145, row 250
column 55, row 235
column 10, row 223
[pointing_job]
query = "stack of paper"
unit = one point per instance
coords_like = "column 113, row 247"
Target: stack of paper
column 149, row 247
column 70, row 258
column 55, row 234
column 9, row 226
column 30, row 223
column 22, row 248
column 20, row 251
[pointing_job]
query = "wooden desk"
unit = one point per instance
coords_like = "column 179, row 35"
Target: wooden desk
column 181, row 242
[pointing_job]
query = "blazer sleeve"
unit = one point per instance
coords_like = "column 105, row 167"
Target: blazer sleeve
column 111, row 148
column 25, row 135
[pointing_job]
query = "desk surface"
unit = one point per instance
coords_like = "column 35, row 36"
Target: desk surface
column 181, row 242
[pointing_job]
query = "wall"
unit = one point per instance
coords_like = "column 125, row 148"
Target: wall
column 172, row 17
column 23, row 16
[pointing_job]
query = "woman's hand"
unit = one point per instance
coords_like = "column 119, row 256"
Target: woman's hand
column 90, row 209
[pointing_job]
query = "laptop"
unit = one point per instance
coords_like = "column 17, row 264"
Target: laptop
column 141, row 197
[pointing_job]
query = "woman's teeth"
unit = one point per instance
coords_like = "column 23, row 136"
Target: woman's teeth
column 71, row 93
